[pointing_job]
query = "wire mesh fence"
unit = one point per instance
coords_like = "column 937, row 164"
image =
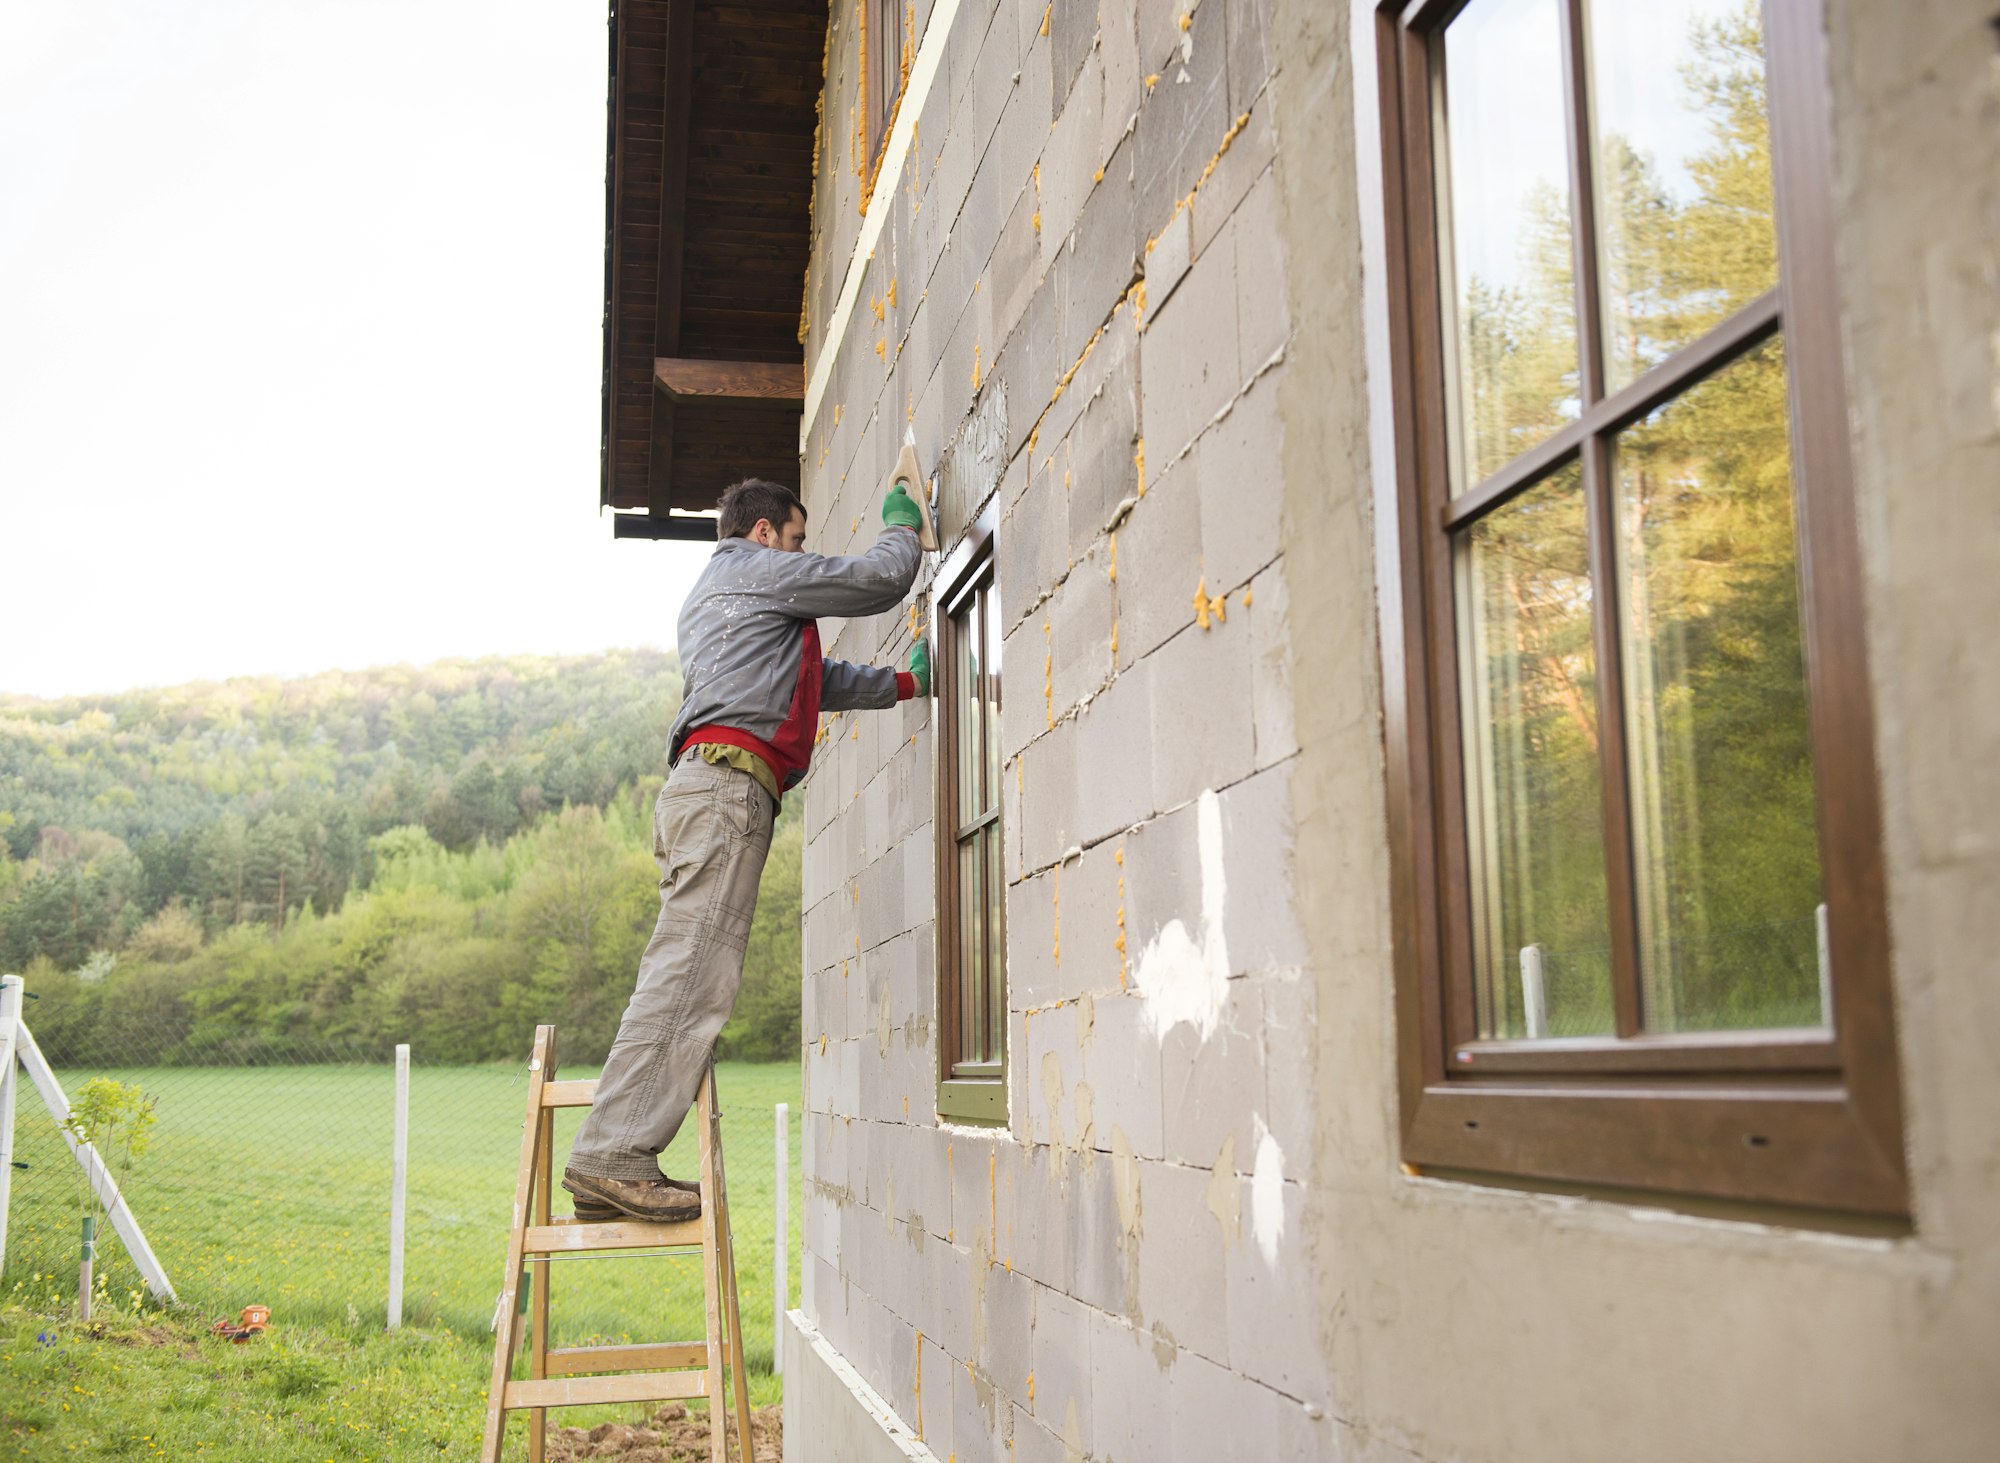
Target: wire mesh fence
column 268, row 1181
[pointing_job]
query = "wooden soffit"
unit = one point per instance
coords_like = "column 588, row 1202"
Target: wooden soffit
column 707, row 230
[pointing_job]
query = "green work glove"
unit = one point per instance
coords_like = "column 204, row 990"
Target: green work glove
column 900, row 510
column 920, row 667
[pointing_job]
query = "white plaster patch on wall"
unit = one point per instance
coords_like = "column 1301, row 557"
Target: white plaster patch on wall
column 1184, row 978
column 1267, row 1195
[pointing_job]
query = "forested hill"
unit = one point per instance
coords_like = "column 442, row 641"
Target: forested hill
column 315, row 870
column 255, row 799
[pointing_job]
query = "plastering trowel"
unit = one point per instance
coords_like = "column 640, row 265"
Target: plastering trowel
column 910, row 477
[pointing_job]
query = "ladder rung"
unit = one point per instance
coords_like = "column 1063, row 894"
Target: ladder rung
column 586, row 1391
column 576, row 1361
column 569, row 1094
column 572, row 1236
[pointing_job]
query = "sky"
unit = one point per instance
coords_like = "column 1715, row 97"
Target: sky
column 299, row 341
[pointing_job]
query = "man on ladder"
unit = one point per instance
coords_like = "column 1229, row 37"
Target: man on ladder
column 754, row 684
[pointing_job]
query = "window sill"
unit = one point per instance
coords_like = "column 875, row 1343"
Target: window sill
column 1798, row 1143
column 982, row 1102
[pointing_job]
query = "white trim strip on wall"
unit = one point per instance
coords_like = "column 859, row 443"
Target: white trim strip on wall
column 916, row 91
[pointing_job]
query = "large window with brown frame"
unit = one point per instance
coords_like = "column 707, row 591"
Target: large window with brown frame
column 971, row 882
column 1639, row 886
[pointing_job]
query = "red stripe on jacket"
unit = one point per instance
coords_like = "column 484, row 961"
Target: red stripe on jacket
column 788, row 753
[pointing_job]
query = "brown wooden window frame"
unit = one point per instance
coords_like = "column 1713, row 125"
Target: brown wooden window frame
column 1805, row 1119
column 967, row 584
column 886, row 45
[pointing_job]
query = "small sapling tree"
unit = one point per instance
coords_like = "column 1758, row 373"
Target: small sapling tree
column 116, row 1121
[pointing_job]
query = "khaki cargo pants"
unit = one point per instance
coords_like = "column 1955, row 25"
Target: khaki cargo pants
column 711, row 833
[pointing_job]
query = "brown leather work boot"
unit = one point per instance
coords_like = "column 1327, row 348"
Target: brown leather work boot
column 659, row 1200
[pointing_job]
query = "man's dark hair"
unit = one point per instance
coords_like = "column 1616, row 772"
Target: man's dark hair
column 742, row 504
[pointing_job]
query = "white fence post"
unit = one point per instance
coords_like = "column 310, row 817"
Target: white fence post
column 1534, row 997
column 1825, row 968
column 10, row 1017
column 780, row 1290
column 398, row 1183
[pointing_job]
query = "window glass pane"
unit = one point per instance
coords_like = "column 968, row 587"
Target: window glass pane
column 1726, row 844
column 1541, row 939
column 1504, row 206
column 989, row 611
column 1681, row 148
column 971, row 948
column 996, row 945
column 966, row 704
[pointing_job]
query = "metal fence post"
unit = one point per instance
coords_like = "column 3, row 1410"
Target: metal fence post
column 780, row 1290
column 10, row 1016
column 398, row 1183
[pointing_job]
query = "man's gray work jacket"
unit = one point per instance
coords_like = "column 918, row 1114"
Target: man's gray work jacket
column 751, row 670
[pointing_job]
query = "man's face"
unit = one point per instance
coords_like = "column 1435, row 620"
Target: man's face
column 790, row 539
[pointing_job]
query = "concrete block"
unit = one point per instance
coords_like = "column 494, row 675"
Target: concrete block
column 897, row 1385
column 1117, row 748
column 1003, row 1327
column 1124, row 76
column 1182, row 1274
column 1212, row 1089
column 1028, row 363
column 1247, row 23
column 993, row 81
column 932, row 1395
column 1034, row 1443
column 1070, row 160
column 1101, row 465
column 1016, row 266
column 1241, row 480
column 1055, row 1065
column 1159, row 561
column 1063, row 1399
column 975, row 1191
column 1130, row 1385
column 1201, row 692
column 1089, row 905
column 1273, row 1319
column 1158, row 26
column 1122, row 1062
column 1219, row 1414
column 1104, row 1278
column 943, row 1308
column 1261, row 919
column 1024, row 125
column 980, row 1417
column 1270, row 667
column 1184, row 116
column 1048, row 795
column 1188, row 356
column 1034, row 977
column 1100, row 260
column 1033, row 554
column 881, row 907
column 1072, row 39
column 1032, row 1235
column 1080, row 618
column 1262, row 313
column 1168, row 255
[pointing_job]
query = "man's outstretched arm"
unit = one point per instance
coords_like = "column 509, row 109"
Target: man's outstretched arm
column 845, row 686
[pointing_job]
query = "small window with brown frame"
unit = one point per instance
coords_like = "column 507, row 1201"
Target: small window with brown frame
column 971, row 881
column 885, row 65
column 1639, row 887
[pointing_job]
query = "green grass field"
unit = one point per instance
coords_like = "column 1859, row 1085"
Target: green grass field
column 271, row 1185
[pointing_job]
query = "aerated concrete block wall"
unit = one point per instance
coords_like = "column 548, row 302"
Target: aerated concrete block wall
column 1129, row 289
column 1077, row 303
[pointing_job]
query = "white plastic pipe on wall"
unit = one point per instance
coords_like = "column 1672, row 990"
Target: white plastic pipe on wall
column 1534, row 998
column 398, row 1183
column 780, row 1291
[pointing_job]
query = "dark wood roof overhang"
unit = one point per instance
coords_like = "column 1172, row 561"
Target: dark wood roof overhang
column 708, row 189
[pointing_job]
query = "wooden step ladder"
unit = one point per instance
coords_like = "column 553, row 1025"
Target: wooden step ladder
column 590, row 1375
